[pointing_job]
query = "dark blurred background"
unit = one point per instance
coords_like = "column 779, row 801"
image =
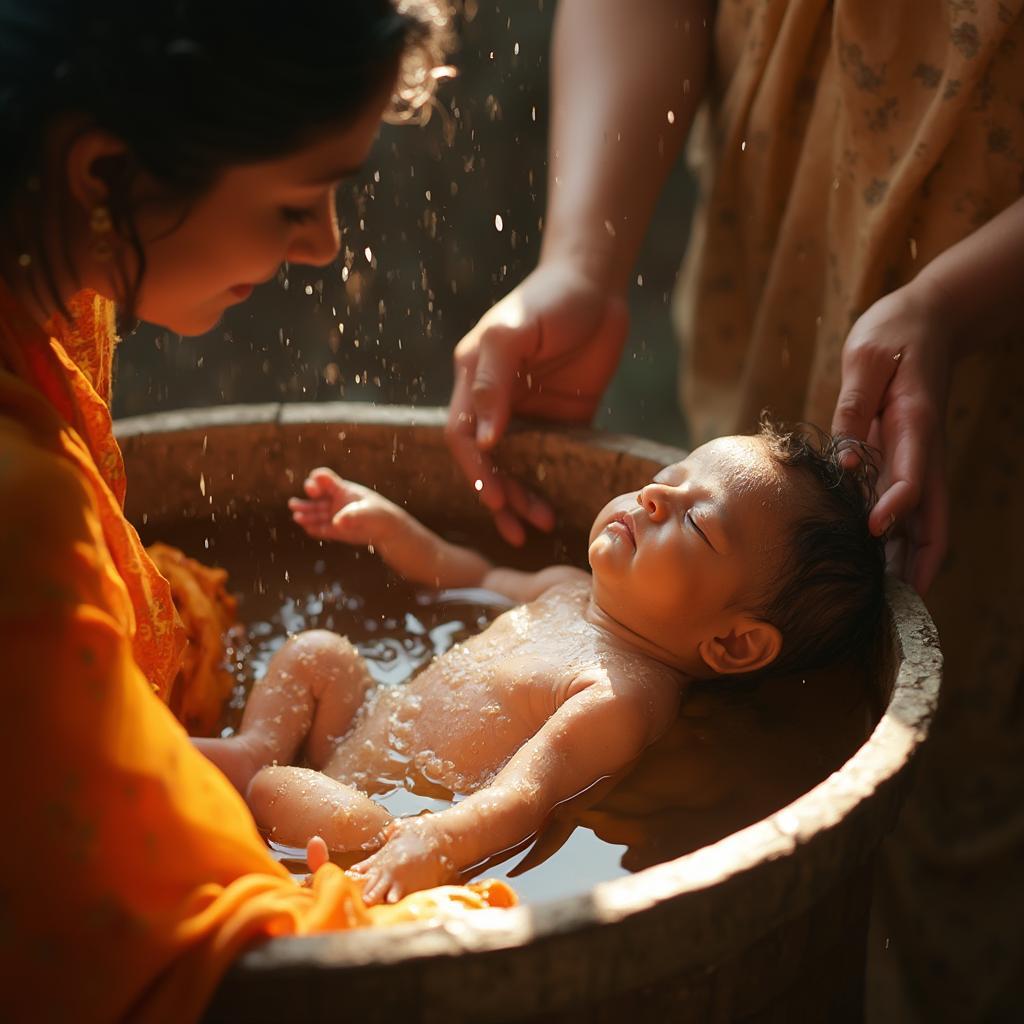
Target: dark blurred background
column 422, row 258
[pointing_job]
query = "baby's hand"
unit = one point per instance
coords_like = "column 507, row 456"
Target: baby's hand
column 338, row 509
column 414, row 856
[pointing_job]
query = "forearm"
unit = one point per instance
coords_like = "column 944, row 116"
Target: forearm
column 977, row 284
column 420, row 555
column 594, row 734
column 489, row 821
column 626, row 82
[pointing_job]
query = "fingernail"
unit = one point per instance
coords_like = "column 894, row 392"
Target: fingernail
column 485, row 434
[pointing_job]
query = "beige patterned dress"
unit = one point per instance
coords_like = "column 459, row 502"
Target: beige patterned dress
column 843, row 147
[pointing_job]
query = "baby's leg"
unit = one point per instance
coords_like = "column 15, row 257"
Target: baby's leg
column 312, row 689
column 294, row 804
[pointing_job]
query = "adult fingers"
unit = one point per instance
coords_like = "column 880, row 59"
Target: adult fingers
column 489, row 484
column 866, row 375
column 929, row 548
column 316, row 853
column 460, row 433
column 529, row 506
column 493, row 379
column 908, row 435
column 509, row 526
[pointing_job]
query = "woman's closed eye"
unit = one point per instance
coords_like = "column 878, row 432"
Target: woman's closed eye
column 298, row 214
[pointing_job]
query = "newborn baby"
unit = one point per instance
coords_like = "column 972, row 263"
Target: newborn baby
column 751, row 552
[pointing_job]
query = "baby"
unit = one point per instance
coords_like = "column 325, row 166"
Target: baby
column 751, row 552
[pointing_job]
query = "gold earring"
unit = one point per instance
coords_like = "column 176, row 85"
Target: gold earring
column 102, row 228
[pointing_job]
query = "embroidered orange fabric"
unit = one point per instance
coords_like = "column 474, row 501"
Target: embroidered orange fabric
column 132, row 874
column 207, row 611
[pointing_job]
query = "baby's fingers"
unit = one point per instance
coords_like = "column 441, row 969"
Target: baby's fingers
column 325, row 484
column 377, row 886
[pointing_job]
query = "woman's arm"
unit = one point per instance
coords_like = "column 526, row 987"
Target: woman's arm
column 897, row 362
column 626, row 81
column 147, row 875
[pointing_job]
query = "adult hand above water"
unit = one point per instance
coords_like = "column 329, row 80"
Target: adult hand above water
column 548, row 349
column 895, row 386
column 896, row 369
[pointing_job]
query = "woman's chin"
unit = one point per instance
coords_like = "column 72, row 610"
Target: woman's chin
column 188, row 324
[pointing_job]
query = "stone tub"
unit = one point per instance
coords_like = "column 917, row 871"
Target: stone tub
column 767, row 923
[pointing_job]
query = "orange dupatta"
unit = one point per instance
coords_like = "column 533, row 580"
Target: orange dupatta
column 147, row 875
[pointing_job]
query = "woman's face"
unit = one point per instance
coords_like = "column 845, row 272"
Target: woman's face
column 237, row 234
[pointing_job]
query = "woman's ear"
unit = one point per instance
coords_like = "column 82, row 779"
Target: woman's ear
column 750, row 645
column 93, row 158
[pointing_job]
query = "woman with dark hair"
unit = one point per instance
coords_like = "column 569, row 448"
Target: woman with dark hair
column 167, row 157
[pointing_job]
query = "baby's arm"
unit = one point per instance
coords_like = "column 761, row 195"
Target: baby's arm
column 599, row 730
column 342, row 510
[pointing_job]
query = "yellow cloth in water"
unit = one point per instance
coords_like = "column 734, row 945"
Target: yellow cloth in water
column 132, row 871
column 845, row 145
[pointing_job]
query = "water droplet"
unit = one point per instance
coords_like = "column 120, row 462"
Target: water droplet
column 478, row 485
column 671, row 117
column 498, row 222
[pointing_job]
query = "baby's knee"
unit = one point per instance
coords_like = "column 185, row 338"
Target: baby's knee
column 320, row 647
column 320, row 656
column 271, row 791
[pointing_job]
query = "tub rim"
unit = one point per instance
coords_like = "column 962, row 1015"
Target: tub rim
column 815, row 816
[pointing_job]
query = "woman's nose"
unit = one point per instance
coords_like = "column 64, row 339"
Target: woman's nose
column 317, row 243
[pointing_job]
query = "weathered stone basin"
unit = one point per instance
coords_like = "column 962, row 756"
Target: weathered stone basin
column 767, row 924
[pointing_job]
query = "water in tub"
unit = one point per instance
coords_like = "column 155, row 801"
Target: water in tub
column 737, row 751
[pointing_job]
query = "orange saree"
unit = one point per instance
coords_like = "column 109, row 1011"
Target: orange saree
column 133, row 873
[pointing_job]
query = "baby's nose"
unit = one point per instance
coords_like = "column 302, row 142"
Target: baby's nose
column 651, row 499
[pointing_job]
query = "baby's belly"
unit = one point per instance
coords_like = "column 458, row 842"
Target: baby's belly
column 457, row 738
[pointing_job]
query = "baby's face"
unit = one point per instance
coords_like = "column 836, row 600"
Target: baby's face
column 675, row 562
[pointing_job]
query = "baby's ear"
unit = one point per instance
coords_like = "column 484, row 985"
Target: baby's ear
column 750, row 645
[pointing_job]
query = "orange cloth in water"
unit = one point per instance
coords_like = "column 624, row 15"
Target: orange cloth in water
column 207, row 612
column 132, row 871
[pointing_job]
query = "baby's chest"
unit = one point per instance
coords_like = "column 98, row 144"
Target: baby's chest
column 508, row 671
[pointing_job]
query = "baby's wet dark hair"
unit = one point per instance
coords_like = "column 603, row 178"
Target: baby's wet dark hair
column 827, row 594
column 192, row 87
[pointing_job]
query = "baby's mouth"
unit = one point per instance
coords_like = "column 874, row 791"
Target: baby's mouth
column 624, row 524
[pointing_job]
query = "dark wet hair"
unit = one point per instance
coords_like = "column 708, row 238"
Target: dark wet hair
column 828, row 594
column 192, row 87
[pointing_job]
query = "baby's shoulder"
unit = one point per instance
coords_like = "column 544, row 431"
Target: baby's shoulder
column 568, row 586
column 633, row 678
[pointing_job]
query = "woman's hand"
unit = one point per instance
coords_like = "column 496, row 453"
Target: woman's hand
column 337, row 509
column 895, row 387
column 414, row 856
column 548, row 349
